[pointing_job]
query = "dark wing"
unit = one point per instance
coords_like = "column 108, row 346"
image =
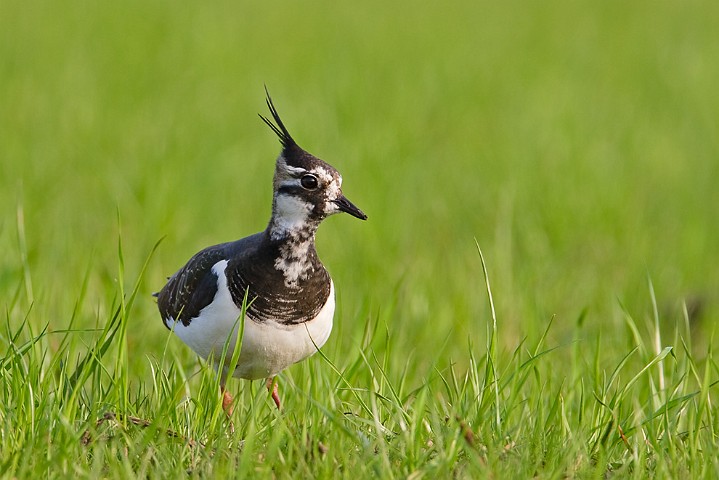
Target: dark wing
column 192, row 288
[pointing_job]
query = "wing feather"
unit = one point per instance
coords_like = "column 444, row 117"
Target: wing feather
column 192, row 288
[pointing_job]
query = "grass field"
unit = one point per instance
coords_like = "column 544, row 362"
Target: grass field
column 576, row 144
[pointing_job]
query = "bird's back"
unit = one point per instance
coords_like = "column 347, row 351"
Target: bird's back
column 194, row 286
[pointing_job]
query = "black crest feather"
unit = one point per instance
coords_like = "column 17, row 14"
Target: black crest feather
column 285, row 138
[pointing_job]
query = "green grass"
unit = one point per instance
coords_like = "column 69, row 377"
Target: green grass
column 576, row 144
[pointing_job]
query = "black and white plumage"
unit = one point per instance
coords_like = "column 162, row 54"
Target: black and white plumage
column 291, row 293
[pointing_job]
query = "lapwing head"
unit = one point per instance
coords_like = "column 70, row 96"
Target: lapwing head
column 306, row 189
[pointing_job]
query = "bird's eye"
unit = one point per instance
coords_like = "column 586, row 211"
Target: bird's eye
column 309, row 182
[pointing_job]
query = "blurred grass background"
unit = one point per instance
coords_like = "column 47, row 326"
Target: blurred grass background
column 578, row 142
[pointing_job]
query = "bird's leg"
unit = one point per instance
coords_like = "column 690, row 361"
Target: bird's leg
column 272, row 387
column 227, row 405
column 226, row 401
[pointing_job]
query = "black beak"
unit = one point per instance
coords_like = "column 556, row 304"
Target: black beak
column 349, row 207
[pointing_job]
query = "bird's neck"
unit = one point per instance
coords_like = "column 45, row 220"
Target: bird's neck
column 292, row 220
column 291, row 231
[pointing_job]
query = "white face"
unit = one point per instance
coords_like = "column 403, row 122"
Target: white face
column 303, row 195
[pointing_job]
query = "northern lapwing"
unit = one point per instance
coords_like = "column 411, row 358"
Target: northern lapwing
column 290, row 294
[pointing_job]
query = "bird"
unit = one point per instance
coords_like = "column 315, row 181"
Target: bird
column 288, row 295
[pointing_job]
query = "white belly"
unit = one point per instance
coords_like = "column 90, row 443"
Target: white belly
column 267, row 347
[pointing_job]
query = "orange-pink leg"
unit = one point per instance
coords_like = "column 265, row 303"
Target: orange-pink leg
column 227, row 405
column 272, row 387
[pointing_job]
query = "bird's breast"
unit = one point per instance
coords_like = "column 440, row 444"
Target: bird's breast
column 270, row 343
column 282, row 289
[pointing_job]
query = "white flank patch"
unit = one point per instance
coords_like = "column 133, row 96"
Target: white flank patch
column 267, row 347
column 206, row 333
